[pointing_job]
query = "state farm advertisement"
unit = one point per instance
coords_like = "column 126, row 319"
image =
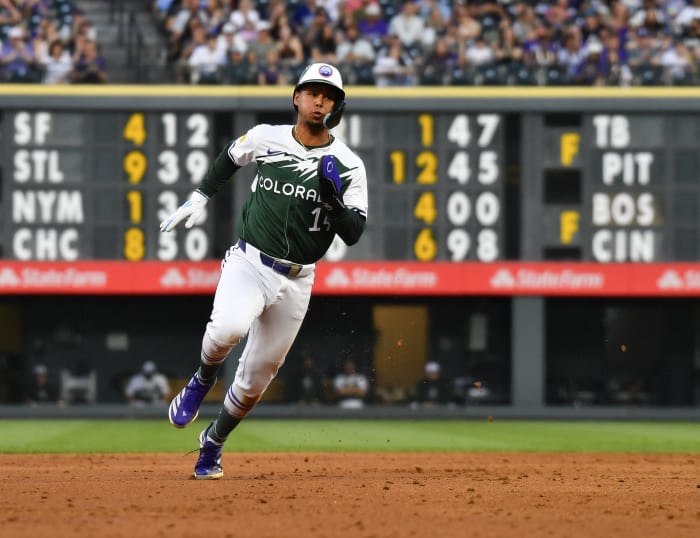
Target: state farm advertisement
column 363, row 278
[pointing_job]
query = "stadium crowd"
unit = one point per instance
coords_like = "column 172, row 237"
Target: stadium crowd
column 435, row 42
column 376, row 42
column 48, row 41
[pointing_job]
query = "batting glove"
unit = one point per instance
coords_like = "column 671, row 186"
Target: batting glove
column 192, row 208
column 329, row 184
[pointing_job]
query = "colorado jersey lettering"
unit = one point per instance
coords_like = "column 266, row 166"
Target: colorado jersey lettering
column 285, row 192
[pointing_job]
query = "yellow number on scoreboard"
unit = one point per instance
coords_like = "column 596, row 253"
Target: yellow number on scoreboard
column 135, row 206
column 134, row 247
column 425, row 247
column 135, row 165
column 135, row 129
column 425, row 208
column 428, row 163
column 398, row 162
column 426, row 129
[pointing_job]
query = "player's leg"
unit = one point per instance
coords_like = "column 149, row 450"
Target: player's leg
column 270, row 338
column 238, row 300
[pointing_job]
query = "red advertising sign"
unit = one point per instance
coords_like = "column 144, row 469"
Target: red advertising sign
column 364, row 278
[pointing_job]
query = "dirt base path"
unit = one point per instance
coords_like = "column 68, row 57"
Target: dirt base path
column 351, row 495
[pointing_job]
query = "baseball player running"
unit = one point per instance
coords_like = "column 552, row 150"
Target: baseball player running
column 309, row 187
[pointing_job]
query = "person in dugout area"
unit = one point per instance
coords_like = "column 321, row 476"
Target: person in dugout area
column 309, row 187
column 148, row 386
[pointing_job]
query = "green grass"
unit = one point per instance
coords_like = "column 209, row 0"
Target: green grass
column 257, row 435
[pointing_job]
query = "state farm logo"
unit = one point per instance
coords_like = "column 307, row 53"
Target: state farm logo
column 54, row 277
column 338, row 279
column 671, row 280
column 565, row 279
column 367, row 278
column 172, row 279
column 194, row 278
column 8, row 278
column 503, row 279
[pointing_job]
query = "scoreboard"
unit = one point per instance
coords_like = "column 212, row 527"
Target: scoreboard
column 620, row 187
column 465, row 185
column 435, row 184
column 84, row 185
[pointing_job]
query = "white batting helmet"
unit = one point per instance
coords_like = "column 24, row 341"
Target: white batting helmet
column 324, row 73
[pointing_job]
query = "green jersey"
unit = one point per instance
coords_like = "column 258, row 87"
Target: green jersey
column 283, row 216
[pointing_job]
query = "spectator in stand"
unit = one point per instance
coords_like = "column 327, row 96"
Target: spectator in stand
column 272, row 71
column 91, row 67
column 57, row 64
column 332, row 9
column 644, row 51
column 427, row 9
column 9, row 14
column 594, row 69
column 467, row 26
column 245, row 19
column 479, row 53
column 273, row 11
column 199, row 38
column 619, row 18
column 491, row 14
column 264, row 43
column 228, row 40
column 302, row 16
column 215, row 15
column 241, row 68
column 687, row 15
column 17, row 58
column 558, row 16
column 311, row 33
column 592, row 25
column 290, row 53
column 676, row 61
column 393, row 66
column 691, row 35
column 543, row 46
column 570, row 56
column 373, row 26
column 180, row 27
column 356, row 56
column 435, row 26
column 324, row 46
column 648, row 16
column 619, row 72
column 206, row 61
column 524, row 23
column 439, row 64
column 407, row 26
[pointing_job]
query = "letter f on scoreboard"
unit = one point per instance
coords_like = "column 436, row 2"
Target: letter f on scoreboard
column 568, row 226
column 569, row 148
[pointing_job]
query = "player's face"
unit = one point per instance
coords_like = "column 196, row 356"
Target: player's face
column 314, row 101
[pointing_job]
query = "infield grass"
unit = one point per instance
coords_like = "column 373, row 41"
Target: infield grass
column 267, row 435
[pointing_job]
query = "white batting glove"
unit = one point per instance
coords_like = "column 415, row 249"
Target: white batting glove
column 192, row 208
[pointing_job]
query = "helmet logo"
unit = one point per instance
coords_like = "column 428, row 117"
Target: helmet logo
column 325, row 71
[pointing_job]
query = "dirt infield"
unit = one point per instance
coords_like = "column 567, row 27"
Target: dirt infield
column 351, row 495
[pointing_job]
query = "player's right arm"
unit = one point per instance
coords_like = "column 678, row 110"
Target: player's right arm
column 220, row 171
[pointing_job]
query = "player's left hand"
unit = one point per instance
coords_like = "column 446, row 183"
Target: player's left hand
column 192, row 208
column 329, row 184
